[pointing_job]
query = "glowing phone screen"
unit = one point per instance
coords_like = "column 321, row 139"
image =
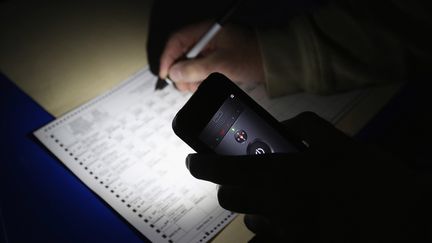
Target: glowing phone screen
column 235, row 129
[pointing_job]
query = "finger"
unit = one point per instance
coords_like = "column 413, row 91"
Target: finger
column 187, row 87
column 178, row 44
column 265, row 237
column 227, row 170
column 174, row 49
column 242, row 199
column 316, row 131
column 247, row 169
column 198, row 69
column 184, row 87
column 194, row 86
column 257, row 223
column 261, row 199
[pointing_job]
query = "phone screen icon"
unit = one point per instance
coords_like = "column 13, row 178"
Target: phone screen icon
column 243, row 133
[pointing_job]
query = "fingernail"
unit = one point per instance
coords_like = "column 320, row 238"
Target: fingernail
column 176, row 73
column 188, row 161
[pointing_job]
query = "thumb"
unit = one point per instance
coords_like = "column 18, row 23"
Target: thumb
column 195, row 70
column 249, row 169
column 317, row 132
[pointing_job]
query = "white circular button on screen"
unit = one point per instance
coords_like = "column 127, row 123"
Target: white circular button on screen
column 258, row 147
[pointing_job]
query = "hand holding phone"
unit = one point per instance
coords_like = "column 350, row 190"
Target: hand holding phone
column 220, row 118
column 291, row 193
column 337, row 187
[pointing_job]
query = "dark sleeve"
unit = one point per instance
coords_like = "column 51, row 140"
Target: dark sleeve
column 347, row 44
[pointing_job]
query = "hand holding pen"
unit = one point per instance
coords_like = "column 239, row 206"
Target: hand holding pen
column 195, row 51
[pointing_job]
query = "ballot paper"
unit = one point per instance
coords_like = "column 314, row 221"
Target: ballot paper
column 121, row 145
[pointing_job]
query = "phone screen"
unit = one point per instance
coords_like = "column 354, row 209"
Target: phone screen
column 236, row 129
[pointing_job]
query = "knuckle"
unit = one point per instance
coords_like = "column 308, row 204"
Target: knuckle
column 223, row 196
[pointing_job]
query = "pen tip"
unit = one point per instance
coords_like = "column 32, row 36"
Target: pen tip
column 160, row 84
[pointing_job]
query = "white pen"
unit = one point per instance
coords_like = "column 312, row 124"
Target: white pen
column 202, row 42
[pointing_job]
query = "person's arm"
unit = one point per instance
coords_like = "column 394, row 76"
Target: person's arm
column 342, row 45
column 333, row 47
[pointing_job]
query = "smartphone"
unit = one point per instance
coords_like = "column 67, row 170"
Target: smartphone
column 221, row 118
